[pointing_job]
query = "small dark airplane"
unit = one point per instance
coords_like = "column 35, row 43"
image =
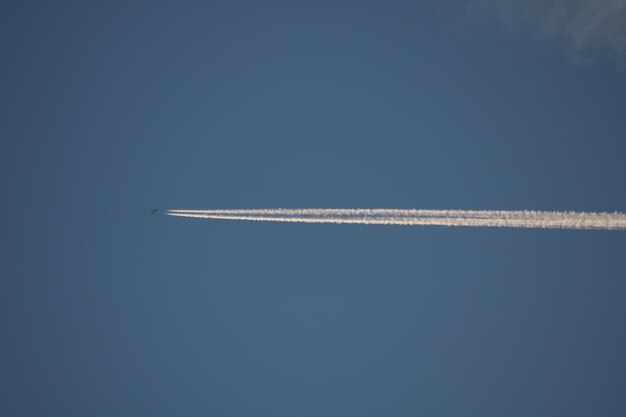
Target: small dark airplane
column 154, row 211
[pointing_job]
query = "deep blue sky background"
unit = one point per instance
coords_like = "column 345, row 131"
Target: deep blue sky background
column 111, row 108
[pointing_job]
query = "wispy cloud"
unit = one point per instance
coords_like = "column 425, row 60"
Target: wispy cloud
column 468, row 218
column 587, row 25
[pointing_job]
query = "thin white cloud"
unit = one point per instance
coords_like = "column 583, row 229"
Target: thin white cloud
column 587, row 25
column 468, row 218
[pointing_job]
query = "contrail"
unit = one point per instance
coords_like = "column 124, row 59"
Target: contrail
column 414, row 217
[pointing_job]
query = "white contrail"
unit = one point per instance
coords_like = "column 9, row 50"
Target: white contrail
column 475, row 218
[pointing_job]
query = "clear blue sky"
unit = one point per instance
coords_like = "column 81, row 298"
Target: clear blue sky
column 111, row 108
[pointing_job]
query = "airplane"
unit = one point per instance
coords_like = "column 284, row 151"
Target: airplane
column 154, row 211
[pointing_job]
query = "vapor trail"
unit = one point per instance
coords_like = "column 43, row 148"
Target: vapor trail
column 413, row 217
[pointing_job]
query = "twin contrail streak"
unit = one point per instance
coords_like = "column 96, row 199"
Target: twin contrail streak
column 469, row 218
